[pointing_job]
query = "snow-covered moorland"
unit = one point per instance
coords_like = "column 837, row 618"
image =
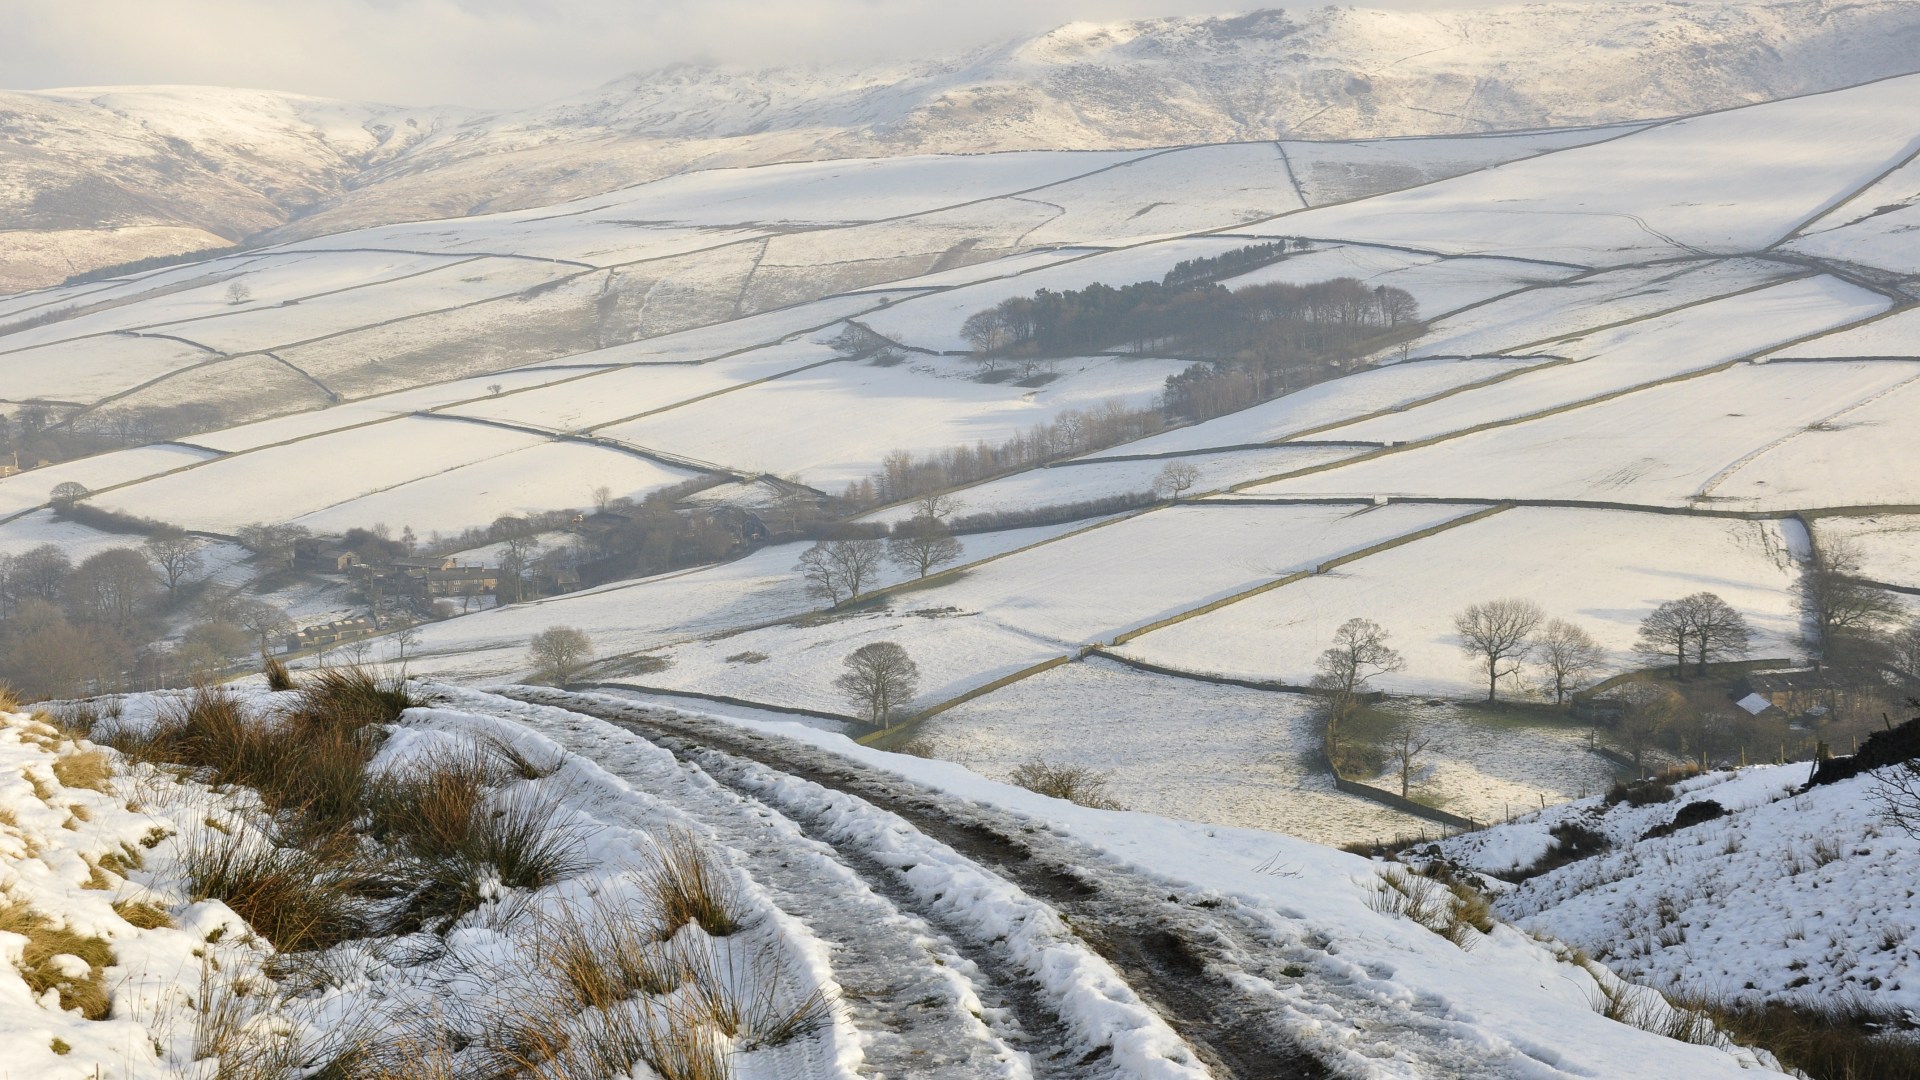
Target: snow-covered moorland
column 856, row 932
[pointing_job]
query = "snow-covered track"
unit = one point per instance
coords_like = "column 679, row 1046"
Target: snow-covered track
column 1192, row 963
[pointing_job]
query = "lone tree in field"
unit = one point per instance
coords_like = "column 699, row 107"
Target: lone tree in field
column 1838, row 603
column 837, row 570
column 560, row 654
column 1360, row 651
column 1498, row 635
column 1406, row 745
column 65, row 494
column 1176, row 479
column 880, row 680
column 919, row 545
column 174, row 554
column 1568, row 657
column 238, row 293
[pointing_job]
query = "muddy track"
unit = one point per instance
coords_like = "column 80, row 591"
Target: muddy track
column 1186, row 960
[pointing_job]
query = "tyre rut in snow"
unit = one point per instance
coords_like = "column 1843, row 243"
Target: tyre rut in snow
column 1180, row 958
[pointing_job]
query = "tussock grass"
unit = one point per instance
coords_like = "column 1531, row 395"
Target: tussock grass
column 604, row 955
column 297, row 899
column 9, row 700
column 1451, row 908
column 41, row 968
column 143, row 914
column 279, row 679
column 91, row 769
column 352, row 698
column 460, row 836
column 686, row 885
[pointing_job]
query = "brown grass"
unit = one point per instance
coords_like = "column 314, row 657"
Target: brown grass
column 279, row 679
column 84, row 769
column 296, row 899
column 143, row 914
column 47, row 940
column 685, row 885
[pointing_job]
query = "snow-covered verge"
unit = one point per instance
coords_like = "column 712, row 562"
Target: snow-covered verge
column 122, row 965
column 1789, row 894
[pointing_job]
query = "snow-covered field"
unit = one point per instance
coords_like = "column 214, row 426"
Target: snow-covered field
column 1665, row 191
column 287, row 481
column 1889, row 545
column 1667, row 445
column 1637, row 354
column 832, row 425
column 1604, row 570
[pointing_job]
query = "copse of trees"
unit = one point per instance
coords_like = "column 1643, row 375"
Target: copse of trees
column 1267, row 322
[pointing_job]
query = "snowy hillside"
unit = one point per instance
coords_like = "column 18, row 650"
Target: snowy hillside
column 102, row 176
column 1788, row 893
column 109, row 175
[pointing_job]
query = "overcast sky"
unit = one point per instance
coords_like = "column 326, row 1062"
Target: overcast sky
column 495, row 53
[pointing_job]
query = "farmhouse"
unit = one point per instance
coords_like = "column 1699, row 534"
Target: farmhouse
column 331, row 633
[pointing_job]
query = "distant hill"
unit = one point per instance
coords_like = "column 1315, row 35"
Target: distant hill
column 103, row 176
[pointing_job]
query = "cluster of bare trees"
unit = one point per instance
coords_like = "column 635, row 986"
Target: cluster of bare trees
column 1075, row 431
column 1506, row 638
column 839, row 570
column 41, row 432
column 1701, row 628
column 67, row 628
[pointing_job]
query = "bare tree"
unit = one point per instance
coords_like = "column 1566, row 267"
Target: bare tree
column 174, row 554
column 111, row 588
column 238, row 293
column 1718, row 632
column 602, row 498
column 837, row 570
column 1568, row 657
column 921, row 544
column 1175, row 479
column 264, row 620
column 1905, row 643
column 1664, row 634
column 560, row 654
column 935, row 505
column 1408, row 742
column 65, row 494
column 1360, row 651
column 1498, row 635
column 880, row 680
column 1897, row 792
column 272, row 544
column 38, row 574
column 1837, row 602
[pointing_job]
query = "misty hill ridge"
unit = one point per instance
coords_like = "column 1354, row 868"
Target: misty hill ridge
column 103, row 176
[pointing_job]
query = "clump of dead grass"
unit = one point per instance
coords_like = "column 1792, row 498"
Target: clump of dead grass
column 47, row 960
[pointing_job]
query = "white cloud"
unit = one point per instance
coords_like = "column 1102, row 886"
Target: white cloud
column 496, row 53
